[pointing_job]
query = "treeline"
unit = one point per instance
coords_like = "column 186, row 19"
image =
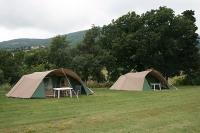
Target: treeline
column 156, row 39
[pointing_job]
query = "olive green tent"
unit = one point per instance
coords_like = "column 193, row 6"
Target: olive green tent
column 140, row 81
column 41, row 84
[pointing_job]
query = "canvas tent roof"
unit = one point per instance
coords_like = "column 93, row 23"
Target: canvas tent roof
column 135, row 81
column 32, row 81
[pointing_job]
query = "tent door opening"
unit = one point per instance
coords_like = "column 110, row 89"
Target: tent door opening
column 153, row 82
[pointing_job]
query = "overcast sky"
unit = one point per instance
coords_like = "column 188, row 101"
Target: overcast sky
column 47, row 18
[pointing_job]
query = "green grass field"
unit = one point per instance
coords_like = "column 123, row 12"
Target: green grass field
column 105, row 111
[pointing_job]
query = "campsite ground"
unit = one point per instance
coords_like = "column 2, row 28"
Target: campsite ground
column 105, row 111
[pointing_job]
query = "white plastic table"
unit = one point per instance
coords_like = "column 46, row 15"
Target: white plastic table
column 154, row 85
column 61, row 89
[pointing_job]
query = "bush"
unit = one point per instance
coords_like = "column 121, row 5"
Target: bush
column 178, row 80
column 5, row 87
column 192, row 78
column 1, row 76
column 95, row 84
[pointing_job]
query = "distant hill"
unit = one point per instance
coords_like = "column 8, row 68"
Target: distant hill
column 73, row 38
column 76, row 37
column 23, row 42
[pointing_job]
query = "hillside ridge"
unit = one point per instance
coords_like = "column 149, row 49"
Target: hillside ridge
column 73, row 38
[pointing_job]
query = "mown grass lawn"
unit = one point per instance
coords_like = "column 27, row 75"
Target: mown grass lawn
column 105, row 111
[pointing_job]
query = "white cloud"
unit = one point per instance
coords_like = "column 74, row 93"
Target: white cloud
column 44, row 18
column 7, row 34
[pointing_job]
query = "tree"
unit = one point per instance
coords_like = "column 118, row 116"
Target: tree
column 9, row 68
column 157, row 39
column 59, row 53
column 184, row 32
column 1, row 77
column 189, row 14
column 82, row 64
column 36, row 57
column 89, row 44
column 88, row 62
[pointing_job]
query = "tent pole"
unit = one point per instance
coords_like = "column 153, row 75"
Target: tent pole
column 69, row 83
column 67, row 78
column 173, row 86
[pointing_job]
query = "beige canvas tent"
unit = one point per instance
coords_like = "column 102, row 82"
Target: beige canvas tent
column 139, row 81
column 36, row 85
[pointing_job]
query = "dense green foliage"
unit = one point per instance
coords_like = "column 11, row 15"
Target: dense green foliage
column 105, row 111
column 157, row 39
column 9, row 69
column 74, row 38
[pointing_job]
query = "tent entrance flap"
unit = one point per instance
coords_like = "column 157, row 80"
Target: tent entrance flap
column 146, row 85
column 40, row 91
